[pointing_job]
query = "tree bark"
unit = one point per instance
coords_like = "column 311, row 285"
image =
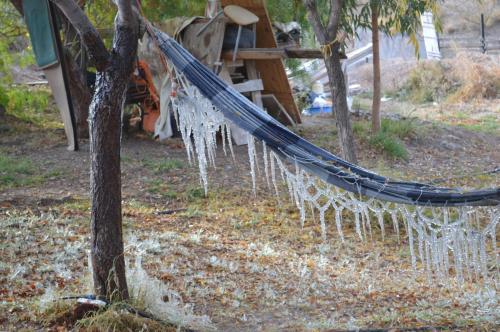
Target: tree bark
column 113, row 73
column 80, row 94
column 338, row 89
column 88, row 34
column 334, row 70
column 105, row 133
column 76, row 70
column 376, row 71
column 19, row 5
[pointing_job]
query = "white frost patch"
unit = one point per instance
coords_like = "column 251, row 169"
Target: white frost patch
column 162, row 302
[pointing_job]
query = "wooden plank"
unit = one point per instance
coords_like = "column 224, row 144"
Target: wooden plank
column 206, row 47
column 253, row 75
column 238, row 135
column 274, row 108
column 275, row 53
column 255, row 54
column 303, row 53
column 249, row 86
column 55, row 78
column 272, row 71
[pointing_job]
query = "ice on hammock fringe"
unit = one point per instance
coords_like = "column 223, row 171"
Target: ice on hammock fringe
column 252, row 160
column 440, row 238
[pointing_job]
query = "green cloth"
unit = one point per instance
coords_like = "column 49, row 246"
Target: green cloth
column 37, row 17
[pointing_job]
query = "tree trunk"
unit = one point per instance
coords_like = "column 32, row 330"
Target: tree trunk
column 376, row 71
column 326, row 36
column 80, row 94
column 341, row 109
column 19, row 5
column 113, row 73
column 74, row 57
column 105, row 133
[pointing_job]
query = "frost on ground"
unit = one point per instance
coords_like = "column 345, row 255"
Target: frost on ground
column 247, row 262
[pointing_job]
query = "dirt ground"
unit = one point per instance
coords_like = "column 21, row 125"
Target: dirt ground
column 242, row 260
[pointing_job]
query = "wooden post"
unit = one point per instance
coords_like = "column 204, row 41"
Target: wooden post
column 483, row 39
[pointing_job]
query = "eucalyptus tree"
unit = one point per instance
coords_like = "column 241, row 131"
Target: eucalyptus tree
column 390, row 17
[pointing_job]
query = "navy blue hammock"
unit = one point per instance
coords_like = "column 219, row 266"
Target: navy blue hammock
column 325, row 165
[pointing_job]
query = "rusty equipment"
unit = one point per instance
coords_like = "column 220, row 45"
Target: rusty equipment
column 141, row 91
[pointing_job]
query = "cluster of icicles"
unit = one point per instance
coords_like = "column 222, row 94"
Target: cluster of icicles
column 441, row 239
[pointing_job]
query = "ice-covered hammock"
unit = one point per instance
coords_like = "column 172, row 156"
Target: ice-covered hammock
column 447, row 224
column 328, row 167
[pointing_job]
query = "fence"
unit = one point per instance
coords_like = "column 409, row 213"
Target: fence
column 470, row 44
column 481, row 44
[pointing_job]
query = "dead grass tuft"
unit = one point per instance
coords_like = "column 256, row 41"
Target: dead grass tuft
column 468, row 77
column 479, row 77
column 117, row 318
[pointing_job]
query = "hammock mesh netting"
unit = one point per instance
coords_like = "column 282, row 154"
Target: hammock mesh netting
column 447, row 229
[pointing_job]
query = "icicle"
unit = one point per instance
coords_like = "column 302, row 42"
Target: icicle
column 380, row 218
column 357, row 223
column 457, row 257
column 223, row 135
column 338, row 222
column 229, row 139
column 395, row 224
column 266, row 164
column 322, row 223
column 251, row 156
column 412, row 246
column 273, row 173
column 482, row 255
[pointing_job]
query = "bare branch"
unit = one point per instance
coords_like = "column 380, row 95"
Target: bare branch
column 19, row 5
column 334, row 18
column 125, row 12
column 90, row 37
column 315, row 20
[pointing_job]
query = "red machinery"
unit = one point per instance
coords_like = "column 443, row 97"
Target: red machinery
column 141, row 91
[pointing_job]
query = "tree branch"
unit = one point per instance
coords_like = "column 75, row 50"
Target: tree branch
column 127, row 21
column 125, row 12
column 19, row 5
column 90, row 37
column 334, row 18
column 315, row 20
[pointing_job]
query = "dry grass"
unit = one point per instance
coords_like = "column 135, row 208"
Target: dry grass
column 478, row 76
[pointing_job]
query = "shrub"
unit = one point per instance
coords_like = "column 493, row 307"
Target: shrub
column 479, row 77
column 161, row 166
column 34, row 106
column 389, row 138
column 428, row 82
column 16, row 172
column 401, row 129
column 391, row 145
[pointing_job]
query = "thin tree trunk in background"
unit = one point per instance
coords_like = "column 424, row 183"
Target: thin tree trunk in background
column 338, row 88
column 376, row 71
column 80, row 94
column 19, row 6
column 74, row 54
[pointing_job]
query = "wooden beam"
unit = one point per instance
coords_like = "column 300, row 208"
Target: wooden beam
column 249, row 86
column 255, row 54
column 275, row 53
